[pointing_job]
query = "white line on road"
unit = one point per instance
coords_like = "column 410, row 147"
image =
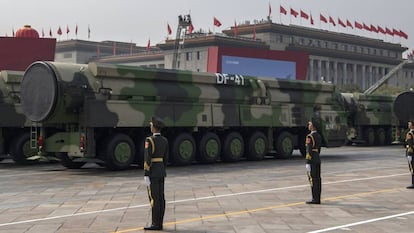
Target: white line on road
column 362, row 222
column 193, row 199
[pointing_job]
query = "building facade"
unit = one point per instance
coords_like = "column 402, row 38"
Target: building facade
column 340, row 58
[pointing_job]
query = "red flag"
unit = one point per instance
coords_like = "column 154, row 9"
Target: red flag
column 235, row 30
column 311, row 19
column 388, row 31
column 190, row 28
column 332, row 21
column 349, row 24
column 76, row 30
column 323, row 18
column 380, row 29
column 254, row 32
column 396, row 32
column 293, row 12
column 366, row 27
column 373, row 28
column 149, row 44
column 59, row 31
column 67, row 29
column 50, row 32
column 283, row 10
column 403, row 34
column 340, row 22
column 358, row 25
column 304, row 15
column 270, row 9
column 169, row 29
column 216, row 23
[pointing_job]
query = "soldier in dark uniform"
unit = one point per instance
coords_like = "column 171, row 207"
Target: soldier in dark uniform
column 409, row 141
column 155, row 162
column 313, row 162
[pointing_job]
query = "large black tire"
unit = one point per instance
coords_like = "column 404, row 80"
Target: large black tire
column 20, row 149
column 380, row 137
column 67, row 162
column 369, row 136
column 233, row 147
column 284, row 145
column 120, row 152
column 209, row 148
column 257, row 146
column 183, row 149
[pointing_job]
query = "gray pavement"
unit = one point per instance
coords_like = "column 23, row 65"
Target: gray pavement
column 363, row 191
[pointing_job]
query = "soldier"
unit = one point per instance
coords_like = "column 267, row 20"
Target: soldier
column 155, row 162
column 409, row 141
column 313, row 162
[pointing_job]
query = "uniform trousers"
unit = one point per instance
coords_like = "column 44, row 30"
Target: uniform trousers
column 157, row 200
column 315, row 181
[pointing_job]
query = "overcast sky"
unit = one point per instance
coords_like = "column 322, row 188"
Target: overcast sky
column 138, row 21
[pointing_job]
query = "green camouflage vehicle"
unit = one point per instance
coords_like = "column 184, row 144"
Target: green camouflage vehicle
column 371, row 119
column 404, row 111
column 14, row 126
column 100, row 113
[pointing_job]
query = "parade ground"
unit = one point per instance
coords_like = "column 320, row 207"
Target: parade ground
column 363, row 190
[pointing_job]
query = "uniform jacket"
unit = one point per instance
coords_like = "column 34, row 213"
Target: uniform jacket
column 313, row 148
column 156, row 156
column 409, row 140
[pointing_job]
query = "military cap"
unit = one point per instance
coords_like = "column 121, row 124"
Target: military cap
column 316, row 122
column 157, row 122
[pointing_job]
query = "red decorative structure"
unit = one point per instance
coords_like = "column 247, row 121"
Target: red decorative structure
column 27, row 32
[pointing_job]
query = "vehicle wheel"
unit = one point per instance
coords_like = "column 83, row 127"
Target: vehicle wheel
column 257, row 146
column 370, row 136
column 233, row 147
column 67, row 162
column 209, row 148
column 284, row 145
column 20, row 149
column 120, row 152
column 380, row 136
column 183, row 149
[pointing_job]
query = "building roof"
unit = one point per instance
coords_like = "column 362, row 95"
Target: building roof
column 295, row 30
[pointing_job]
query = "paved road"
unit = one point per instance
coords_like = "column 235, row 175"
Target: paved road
column 363, row 191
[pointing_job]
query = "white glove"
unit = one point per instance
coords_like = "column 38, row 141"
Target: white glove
column 147, row 180
column 410, row 158
column 308, row 167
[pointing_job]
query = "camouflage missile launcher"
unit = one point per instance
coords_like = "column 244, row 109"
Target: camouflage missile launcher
column 371, row 119
column 404, row 112
column 14, row 126
column 101, row 112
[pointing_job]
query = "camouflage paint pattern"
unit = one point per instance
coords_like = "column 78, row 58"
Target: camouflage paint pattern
column 98, row 100
column 14, row 125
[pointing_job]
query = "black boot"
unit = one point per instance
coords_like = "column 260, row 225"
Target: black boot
column 153, row 228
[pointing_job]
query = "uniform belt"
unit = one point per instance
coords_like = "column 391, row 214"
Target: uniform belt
column 155, row 160
column 316, row 150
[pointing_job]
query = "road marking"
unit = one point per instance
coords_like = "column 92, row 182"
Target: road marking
column 264, row 209
column 363, row 222
column 193, row 199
